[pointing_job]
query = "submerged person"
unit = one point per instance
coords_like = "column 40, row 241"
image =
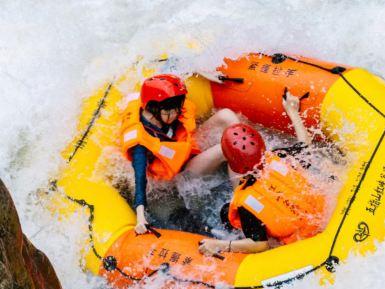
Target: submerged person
column 158, row 137
column 275, row 200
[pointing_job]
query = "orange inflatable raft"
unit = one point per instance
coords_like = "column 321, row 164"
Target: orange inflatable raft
column 253, row 85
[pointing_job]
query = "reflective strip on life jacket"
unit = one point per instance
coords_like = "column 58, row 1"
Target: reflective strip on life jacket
column 167, row 152
column 130, row 135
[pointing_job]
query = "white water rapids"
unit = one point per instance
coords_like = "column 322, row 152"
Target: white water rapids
column 54, row 53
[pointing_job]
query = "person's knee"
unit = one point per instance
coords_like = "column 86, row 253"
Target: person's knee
column 227, row 117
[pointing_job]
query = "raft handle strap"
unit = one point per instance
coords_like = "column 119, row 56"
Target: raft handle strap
column 218, row 256
column 306, row 95
column 152, row 230
column 215, row 255
column 233, row 79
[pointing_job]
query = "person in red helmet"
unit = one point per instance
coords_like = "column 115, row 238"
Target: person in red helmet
column 274, row 199
column 158, row 137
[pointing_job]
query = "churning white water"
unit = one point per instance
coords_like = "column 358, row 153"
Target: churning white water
column 54, row 53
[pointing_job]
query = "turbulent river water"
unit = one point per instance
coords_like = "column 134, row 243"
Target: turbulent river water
column 54, row 53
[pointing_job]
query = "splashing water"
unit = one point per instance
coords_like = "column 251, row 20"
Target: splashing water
column 54, row 53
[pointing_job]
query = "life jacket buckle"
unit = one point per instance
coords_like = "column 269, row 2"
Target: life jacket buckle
column 248, row 181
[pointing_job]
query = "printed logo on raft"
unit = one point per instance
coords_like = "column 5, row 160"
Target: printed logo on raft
column 376, row 195
column 362, row 232
column 171, row 256
column 272, row 69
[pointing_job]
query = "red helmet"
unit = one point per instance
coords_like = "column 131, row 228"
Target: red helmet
column 161, row 87
column 243, row 147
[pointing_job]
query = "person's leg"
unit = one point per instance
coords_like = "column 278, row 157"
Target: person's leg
column 234, row 177
column 209, row 160
column 221, row 119
column 206, row 162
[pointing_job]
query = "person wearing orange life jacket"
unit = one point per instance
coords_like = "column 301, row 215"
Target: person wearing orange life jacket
column 158, row 136
column 278, row 201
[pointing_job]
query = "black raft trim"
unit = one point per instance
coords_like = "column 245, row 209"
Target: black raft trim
column 110, row 262
column 353, row 198
column 82, row 142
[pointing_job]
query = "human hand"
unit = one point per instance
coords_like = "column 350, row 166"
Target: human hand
column 290, row 102
column 141, row 222
column 141, row 228
column 211, row 247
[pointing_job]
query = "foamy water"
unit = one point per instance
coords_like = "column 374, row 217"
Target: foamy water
column 53, row 53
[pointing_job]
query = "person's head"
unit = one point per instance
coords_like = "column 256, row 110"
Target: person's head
column 243, row 147
column 168, row 110
column 163, row 96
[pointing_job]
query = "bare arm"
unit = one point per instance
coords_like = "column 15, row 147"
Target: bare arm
column 139, row 163
column 291, row 105
column 212, row 246
column 141, row 221
column 248, row 246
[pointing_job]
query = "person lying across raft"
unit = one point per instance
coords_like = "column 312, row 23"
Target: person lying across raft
column 158, row 137
column 274, row 199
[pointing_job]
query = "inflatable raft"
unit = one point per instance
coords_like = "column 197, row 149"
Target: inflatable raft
column 348, row 103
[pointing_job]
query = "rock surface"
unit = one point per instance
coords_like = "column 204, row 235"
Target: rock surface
column 22, row 266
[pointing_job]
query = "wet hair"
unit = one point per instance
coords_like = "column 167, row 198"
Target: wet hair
column 175, row 102
column 224, row 214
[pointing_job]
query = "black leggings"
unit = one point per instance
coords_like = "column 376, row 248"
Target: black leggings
column 252, row 227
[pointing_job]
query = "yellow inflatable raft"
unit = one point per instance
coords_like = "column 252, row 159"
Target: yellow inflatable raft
column 349, row 103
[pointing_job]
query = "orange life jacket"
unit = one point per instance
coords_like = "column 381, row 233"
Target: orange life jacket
column 170, row 156
column 282, row 199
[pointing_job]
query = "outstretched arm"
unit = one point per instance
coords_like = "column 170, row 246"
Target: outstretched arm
column 209, row 247
column 291, row 106
column 139, row 163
